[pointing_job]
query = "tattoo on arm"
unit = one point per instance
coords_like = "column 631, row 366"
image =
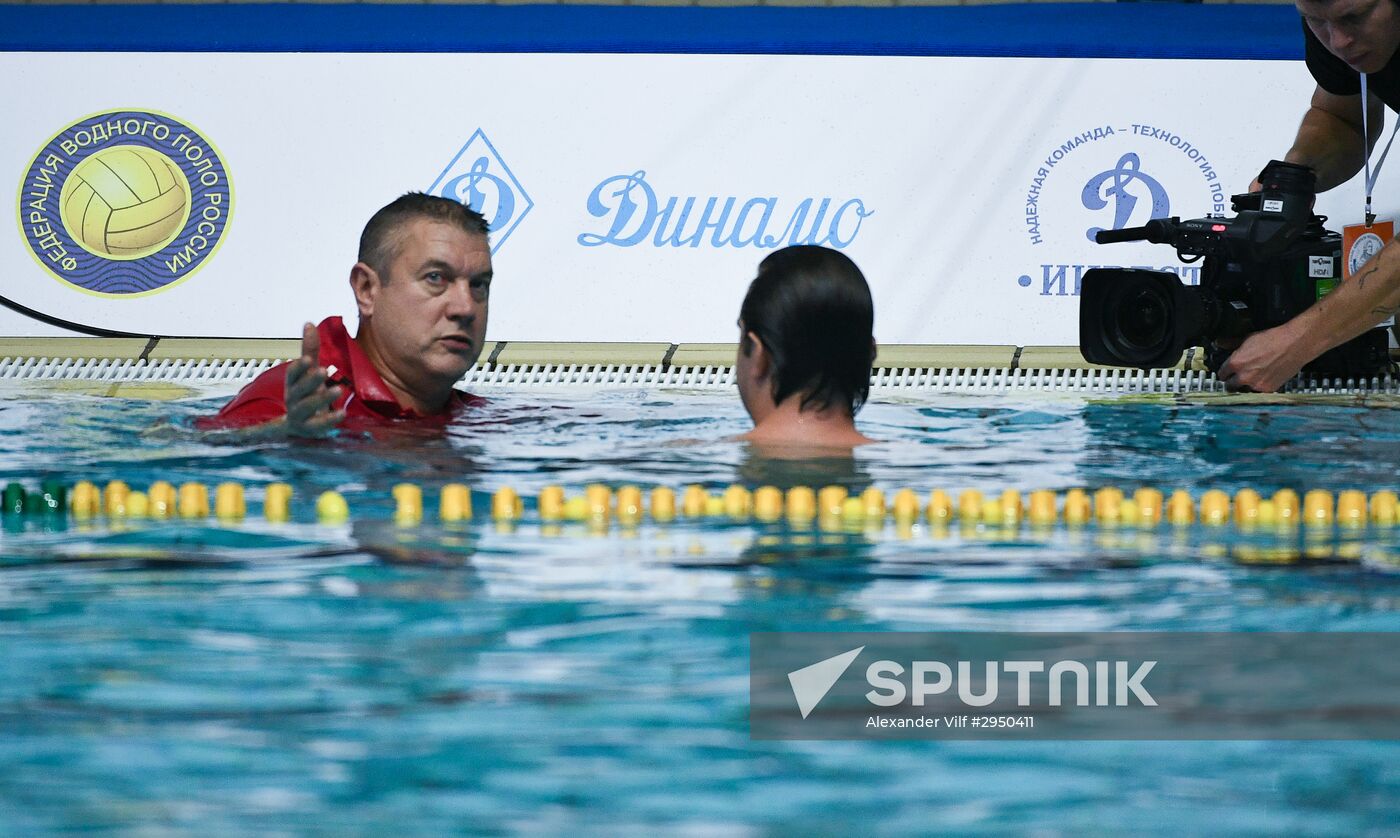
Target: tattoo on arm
column 1361, row 280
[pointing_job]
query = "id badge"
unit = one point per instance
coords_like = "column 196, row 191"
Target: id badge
column 1359, row 244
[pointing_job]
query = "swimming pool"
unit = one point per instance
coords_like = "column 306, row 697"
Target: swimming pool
column 367, row 678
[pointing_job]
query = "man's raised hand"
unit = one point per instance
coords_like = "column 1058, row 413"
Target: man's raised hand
column 308, row 393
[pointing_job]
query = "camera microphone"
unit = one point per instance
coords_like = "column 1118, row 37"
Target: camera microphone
column 1127, row 234
column 1155, row 231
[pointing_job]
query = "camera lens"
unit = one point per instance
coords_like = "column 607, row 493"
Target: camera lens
column 1130, row 317
column 1142, row 319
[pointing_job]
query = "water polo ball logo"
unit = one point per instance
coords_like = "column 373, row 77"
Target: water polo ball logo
column 125, row 203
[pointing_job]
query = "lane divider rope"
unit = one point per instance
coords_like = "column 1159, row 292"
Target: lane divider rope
column 800, row 506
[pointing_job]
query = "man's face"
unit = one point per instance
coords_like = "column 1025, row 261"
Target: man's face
column 1363, row 33
column 428, row 312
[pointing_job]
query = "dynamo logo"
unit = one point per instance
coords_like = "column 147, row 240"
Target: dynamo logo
column 1109, row 178
column 479, row 177
column 1112, row 186
column 125, row 203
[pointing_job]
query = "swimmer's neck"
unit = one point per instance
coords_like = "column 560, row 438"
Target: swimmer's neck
column 426, row 398
column 789, row 425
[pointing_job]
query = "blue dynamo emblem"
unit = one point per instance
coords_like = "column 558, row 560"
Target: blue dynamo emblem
column 1114, row 184
column 125, row 203
column 480, row 178
column 1082, row 172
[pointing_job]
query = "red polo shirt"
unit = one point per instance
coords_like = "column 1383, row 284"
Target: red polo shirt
column 365, row 397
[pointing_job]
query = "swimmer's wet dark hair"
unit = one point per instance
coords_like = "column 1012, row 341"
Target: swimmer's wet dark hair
column 811, row 308
column 379, row 243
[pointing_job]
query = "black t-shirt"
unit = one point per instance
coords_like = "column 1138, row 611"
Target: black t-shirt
column 1334, row 76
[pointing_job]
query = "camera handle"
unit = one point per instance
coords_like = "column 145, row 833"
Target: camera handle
column 1157, row 231
column 1127, row 234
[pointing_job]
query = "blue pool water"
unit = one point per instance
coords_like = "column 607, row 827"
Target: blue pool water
column 173, row 677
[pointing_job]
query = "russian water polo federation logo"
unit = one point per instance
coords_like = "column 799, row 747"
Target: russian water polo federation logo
column 480, row 178
column 125, row 203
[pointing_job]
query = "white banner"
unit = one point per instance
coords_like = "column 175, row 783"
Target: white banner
column 632, row 196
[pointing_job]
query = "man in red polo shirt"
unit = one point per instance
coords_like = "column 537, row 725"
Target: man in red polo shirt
column 422, row 284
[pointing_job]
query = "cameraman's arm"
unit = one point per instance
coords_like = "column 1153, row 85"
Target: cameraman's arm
column 1329, row 138
column 1268, row 359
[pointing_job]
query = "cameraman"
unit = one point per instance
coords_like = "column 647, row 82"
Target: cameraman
column 1343, row 39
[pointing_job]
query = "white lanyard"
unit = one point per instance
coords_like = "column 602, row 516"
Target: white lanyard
column 1366, row 144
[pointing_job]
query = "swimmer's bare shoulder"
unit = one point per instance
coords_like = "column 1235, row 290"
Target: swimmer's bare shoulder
column 819, row 439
